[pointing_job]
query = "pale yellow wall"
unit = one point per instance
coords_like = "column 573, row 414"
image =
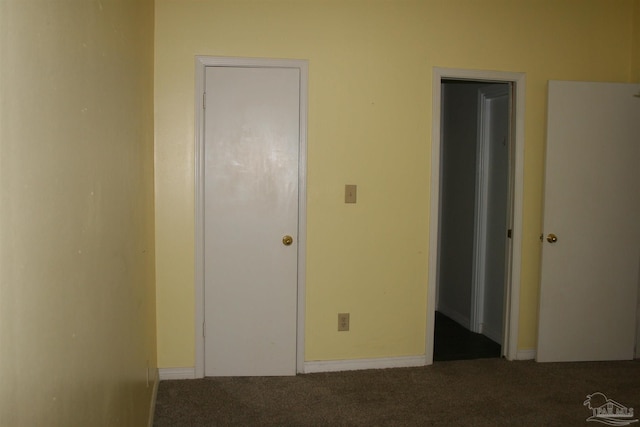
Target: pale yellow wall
column 77, row 299
column 370, row 69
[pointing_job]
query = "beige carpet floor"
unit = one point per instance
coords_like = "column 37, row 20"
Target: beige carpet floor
column 484, row 392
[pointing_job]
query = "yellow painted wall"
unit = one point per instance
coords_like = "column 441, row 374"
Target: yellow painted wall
column 370, row 70
column 77, row 298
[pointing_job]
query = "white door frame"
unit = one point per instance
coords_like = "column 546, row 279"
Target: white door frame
column 485, row 96
column 512, row 296
column 201, row 62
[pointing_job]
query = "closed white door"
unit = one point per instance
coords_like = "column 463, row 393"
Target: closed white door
column 252, row 133
column 591, row 239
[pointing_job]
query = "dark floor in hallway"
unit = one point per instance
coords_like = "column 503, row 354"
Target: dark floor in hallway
column 454, row 342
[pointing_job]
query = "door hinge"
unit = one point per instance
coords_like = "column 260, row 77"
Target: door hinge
column 509, row 233
column 204, row 100
column 203, row 329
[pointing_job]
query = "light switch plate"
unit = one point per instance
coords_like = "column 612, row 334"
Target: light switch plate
column 350, row 192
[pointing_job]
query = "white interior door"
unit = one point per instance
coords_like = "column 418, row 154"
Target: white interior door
column 589, row 278
column 492, row 208
column 251, row 151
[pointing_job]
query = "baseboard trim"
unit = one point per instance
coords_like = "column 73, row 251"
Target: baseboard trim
column 492, row 334
column 528, row 354
column 454, row 315
column 154, row 396
column 332, row 366
column 360, row 364
column 176, row 373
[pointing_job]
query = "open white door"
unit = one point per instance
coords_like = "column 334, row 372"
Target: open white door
column 591, row 240
column 491, row 251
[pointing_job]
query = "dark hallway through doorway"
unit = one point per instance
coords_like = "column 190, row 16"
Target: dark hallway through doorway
column 452, row 341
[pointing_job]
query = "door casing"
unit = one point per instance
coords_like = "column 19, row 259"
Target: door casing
column 512, row 295
column 201, row 62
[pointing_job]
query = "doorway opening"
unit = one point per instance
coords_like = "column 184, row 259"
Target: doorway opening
column 476, row 215
column 476, row 146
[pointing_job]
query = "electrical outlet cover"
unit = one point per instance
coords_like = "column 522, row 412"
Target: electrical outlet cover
column 343, row 322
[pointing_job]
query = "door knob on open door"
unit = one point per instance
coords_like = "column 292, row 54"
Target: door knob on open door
column 552, row 238
column 287, row 240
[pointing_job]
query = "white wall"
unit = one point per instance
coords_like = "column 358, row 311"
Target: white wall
column 459, row 142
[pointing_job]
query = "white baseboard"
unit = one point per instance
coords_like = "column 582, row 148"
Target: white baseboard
column 528, row 354
column 359, row 364
column 455, row 315
column 333, row 366
column 177, row 373
column 154, row 396
column 492, row 334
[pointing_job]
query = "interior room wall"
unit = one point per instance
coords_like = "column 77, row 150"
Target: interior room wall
column 370, row 120
column 77, row 298
column 458, row 193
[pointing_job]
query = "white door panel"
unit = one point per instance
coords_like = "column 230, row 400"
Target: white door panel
column 589, row 279
column 251, row 202
column 497, row 215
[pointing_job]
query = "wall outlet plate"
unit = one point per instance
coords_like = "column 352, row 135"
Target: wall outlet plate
column 343, row 322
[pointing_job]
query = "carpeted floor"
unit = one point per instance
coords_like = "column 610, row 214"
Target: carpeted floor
column 483, row 392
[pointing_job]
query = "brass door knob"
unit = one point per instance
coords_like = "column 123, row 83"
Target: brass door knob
column 552, row 238
column 287, row 240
